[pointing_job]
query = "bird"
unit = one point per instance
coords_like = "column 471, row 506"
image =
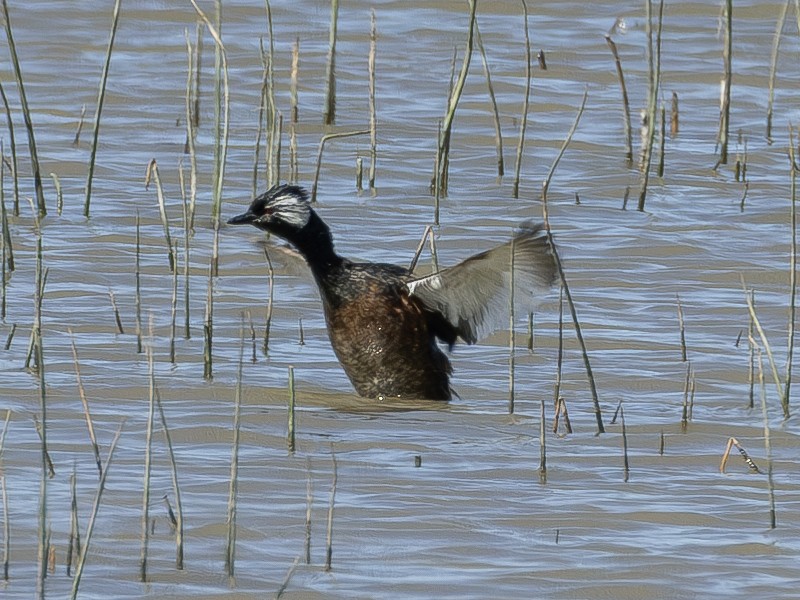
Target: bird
column 384, row 323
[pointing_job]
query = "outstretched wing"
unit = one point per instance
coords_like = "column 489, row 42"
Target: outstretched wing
column 474, row 295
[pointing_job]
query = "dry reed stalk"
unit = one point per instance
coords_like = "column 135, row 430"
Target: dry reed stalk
column 674, row 117
column 4, row 501
column 792, row 269
column 560, row 352
column 530, row 333
column 512, row 340
column 115, row 309
column 330, row 73
column 626, row 467
column 725, row 91
column 76, row 580
column 287, row 578
column 443, row 150
column 270, row 298
column 302, row 341
column 101, row 95
column 74, row 543
column 654, row 83
column 773, row 65
column 138, row 287
column 222, row 117
column 578, row 333
column 498, row 133
column 253, row 355
column 751, row 359
column 148, row 452
column 662, row 140
column 373, row 118
column 152, row 172
column 309, row 506
column 46, row 463
column 233, row 488
column 768, row 349
column 322, row 141
column 293, row 80
column 76, row 141
column 208, row 325
column 626, row 108
column 26, row 115
column 187, row 231
column 767, row 442
column 10, row 336
column 290, row 426
column 359, row 173
column 273, row 131
column 59, row 193
column 681, row 328
column 687, row 387
column 329, row 534
column 525, row 103
column 85, row 402
column 41, row 281
column 13, row 146
column 191, row 105
column 733, row 442
column 173, row 321
column 261, row 118
column 542, row 444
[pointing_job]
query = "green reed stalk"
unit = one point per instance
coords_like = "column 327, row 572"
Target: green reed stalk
column 41, row 281
column 261, row 118
column 773, row 64
column 273, row 131
column 768, row 349
column 115, row 310
column 578, row 333
column 525, row 103
column 26, row 115
column 725, row 108
column 76, row 580
column 767, row 441
column 268, row 319
column 101, row 95
column 76, row 141
column 74, row 543
column 626, row 107
column 138, row 287
column 175, row 487
column 4, row 501
column 322, row 141
column 191, row 105
column 330, row 73
column 373, row 114
column 85, row 402
column 152, row 171
column 148, row 452
column 792, row 269
column 654, row 67
column 230, row 546
column 290, row 430
column 512, row 338
column 221, row 150
column 329, row 535
column 13, row 146
column 443, row 151
column 498, row 133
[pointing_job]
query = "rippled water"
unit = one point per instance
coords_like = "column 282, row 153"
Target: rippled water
column 473, row 519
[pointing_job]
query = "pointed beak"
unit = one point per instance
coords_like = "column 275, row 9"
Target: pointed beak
column 247, row 217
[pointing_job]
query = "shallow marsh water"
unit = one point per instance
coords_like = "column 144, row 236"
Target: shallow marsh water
column 474, row 519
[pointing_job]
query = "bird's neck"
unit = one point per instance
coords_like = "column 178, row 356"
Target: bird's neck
column 315, row 243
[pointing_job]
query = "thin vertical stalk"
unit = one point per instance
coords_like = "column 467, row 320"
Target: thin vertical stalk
column 187, row 332
column 542, row 444
column 773, row 64
column 76, row 580
column 152, row 171
column 322, row 141
column 626, row 467
column 626, row 107
column 138, row 287
column 443, row 152
column 329, row 536
column 13, row 147
column 682, row 328
column 654, row 63
column 273, row 131
column 208, row 325
column 26, row 115
column 330, row 74
column 74, row 543
column 101, row 95
column 725, row 98
column 233, row 488
column 268, row 318
column 4, row 501
column 373, row 117
column 45, row 460
column 8, row 248
column 792, row 270
column 498, row 133
column 85, row 402
column 290, row 427
column 512, row 339
column 767, row 441
column 173, row 307
column 309, row 505
column 525, row 103
column 192, row 97
column 147, row 465
column 293, row 79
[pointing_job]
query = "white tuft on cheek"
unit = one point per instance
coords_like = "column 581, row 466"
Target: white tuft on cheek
column 291, row 210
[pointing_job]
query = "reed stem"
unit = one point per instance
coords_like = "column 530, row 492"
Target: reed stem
column 330, row 74
column 233, row 489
